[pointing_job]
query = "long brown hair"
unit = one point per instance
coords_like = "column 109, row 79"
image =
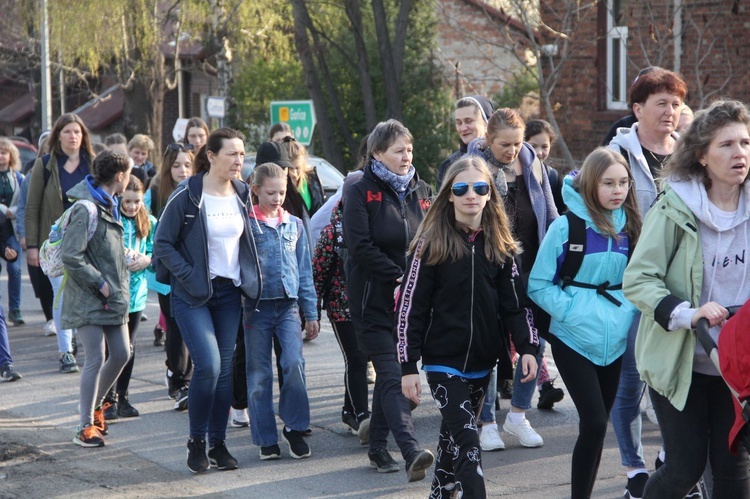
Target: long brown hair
column 442, row 234
column 163, row 181
column 587, row 185
column 142, row 223
column 62, row 122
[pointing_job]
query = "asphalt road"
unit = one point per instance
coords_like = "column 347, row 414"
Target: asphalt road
column 145, row 456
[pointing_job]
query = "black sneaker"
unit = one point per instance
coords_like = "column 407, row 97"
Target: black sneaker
column 8, row 373
column 68, row 363
column 220, row 458
column 15, row 317
column 381, row 459
column 181, row 400
column 197, row 461
column 270, row 452
column 417, row 463
column 110, row 410
column 634, row 489
column 124, row 408
column 699, row 491
column 298, row 448
column 160, row 337
column 549, row 395
column 350, row 420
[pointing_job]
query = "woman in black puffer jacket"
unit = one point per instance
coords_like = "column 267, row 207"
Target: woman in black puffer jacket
column 381, row 215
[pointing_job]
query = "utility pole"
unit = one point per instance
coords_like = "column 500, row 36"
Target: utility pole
column 46, row 74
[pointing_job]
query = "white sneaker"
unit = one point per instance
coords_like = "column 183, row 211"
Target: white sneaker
column 238, row 418
column 489, row 438
column 525, row 433
column 49, row 328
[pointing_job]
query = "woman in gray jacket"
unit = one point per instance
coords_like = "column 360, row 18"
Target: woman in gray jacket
column 97, row 290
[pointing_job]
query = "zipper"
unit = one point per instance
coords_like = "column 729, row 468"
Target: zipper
column 515, row 293
column 471, row 313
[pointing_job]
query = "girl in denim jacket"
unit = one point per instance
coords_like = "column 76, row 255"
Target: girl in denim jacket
column 286, row 269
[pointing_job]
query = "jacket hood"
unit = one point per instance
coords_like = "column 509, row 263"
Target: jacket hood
column 693, row 194
column 86, row 189
column 576, row 204
column 258, row 214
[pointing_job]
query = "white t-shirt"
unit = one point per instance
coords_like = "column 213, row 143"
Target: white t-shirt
column 225, row 226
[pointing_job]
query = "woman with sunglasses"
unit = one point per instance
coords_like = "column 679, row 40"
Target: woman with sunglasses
column 381, row 214
column 461, row 287
column 176, row 166
column 524, row 187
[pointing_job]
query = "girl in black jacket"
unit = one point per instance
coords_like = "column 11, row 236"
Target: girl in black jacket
column 461, row 296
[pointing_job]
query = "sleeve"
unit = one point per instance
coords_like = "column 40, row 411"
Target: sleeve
column 324, row 263
column 167, row 233
column 147, row 200
column 358, row 239
column 148, row 247
column 5, row 233
column 543, row 287
column 643, row 283
column 73, row 251
column 514, row 310
column 307, row 298
column 413, row 312
column 549, row 197
column 21, row 210
column 33, row 204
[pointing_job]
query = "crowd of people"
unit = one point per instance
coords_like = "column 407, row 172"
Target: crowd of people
column 611, row 265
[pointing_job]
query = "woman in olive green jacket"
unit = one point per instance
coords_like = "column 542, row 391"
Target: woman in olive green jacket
column 689, row 264
column 68, row 161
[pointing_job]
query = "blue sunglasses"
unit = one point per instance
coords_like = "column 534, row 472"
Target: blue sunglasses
column 461, row 188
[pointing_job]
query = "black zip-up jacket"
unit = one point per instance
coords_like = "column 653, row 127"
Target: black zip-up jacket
column 459, row 314
column 378, row 228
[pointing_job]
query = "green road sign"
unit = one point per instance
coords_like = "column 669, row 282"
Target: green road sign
column 300, row 114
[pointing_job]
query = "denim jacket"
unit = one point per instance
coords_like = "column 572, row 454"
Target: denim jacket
column 285, row 261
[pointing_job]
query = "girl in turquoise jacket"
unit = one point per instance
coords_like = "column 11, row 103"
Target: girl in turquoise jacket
column 138, row 237
column 590, row 315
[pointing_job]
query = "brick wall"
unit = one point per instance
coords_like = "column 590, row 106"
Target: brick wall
column 580, row 94
column 472, row 40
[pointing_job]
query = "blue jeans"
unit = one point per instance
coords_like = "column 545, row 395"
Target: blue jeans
column 209, row 332
column 524, row 392
column 5, row 357
column 487, row 415
column 278, row 318
column 64, row 336
column 14, row 276
column 626, row 413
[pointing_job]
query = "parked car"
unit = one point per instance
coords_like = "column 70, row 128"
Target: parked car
column 328, row 174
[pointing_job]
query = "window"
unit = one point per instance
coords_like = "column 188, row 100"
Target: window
column 617, row 51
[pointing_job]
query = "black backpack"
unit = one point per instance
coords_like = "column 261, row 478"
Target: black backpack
column 574, row 258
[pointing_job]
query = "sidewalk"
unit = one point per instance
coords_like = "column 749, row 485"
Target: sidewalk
column 145, row 456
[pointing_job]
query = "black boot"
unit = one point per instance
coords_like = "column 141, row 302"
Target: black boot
column 110, row 406
column 124, row 409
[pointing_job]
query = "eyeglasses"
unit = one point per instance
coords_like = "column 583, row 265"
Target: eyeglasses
column 624, row 184
column 289, row 138
column 180, row 147
column 461, row 188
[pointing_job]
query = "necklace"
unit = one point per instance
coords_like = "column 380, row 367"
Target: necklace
column 660, row 161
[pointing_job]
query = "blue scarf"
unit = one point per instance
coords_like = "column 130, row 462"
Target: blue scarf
column 101, row 197
column 399, row 183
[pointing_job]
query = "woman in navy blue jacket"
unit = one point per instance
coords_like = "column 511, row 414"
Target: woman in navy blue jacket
column 381, row 215
column 212, row 263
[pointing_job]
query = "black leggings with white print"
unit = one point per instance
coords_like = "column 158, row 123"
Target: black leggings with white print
column 458, row 466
